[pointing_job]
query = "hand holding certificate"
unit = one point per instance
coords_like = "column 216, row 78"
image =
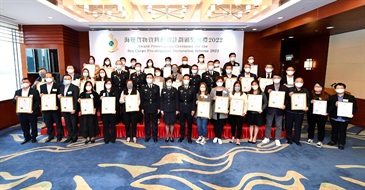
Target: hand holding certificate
column 91, row 68
column 254, row 103
column 320, row 107
column 203, row 109
column 166, row 72
column 67, row 104
column 99, row 86
column 48, row 102
column 185, row 71
column 344, row 109
column 221, row 104
column 299, row 101
column 264, row 82
column 229, row 83
column 149, row 71
column 131, row 103
column 236, row 70
column 87, row 106
column 276, row 99
column 108, row 105
column 236, row 107
column 24, row 105
column 246, row 83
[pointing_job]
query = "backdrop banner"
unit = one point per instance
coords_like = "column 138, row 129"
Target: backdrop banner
column 157, row 45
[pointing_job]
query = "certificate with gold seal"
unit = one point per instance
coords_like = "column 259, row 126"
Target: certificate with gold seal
column 236, row 107
column 87, row 106
column 24, row 105
column 264, row 82
column 298, row 101
column 203, row 109
column 67, row 104
column 254, row 102
column 229, row 83
column 131, row 103
column 108, row 105
column 221, row 104
column 48, row 102
column 344, row 109
column 276, row 99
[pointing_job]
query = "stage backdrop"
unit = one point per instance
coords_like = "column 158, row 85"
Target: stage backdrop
column 157, row 45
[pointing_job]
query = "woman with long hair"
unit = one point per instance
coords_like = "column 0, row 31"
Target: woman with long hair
column 202, row 95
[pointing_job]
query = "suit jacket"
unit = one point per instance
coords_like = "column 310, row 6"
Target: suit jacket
column 332, row 108
column 288, row 102
column 76, row 76
column 113, row 93
column 36, row 99
column 195, row 81
column 119, row 80
column 277, row 111
column 210, row 79
column 72, row 91
column 284, row 80
column 169, row 100
column 54, row 90
column 187, row 99
column 251, row 75
column 150, row 98
column 139, row 80
column 265, row 75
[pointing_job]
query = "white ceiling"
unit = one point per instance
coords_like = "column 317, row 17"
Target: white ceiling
column 33, row 12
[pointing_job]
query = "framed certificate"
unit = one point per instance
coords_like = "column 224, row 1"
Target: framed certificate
column 254, row 102
column 254, row 69
column 87, row 106
column 82, row 84
column 298, row 101
column 176, row 84
column 67, row 104
column 246, row 83
column 203, row 109
column 39, row 86
column 344, row 109
column 236, row 107
column 221, row 104
column 48, row 102
column 166, row 72
column 217, row 70
column 229, row 83
column 264, row 82
column 236, row 70
column 320, row 107
column 131, row 103
column 276, row 99
column 108, row 72
column 185, row 71
column 24, row 104
column 99, row 86
column 108, row 105
column 76, row 82
column 149, row 70
column 91, row 68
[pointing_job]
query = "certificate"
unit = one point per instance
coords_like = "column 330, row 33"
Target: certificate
column 229, row 83
column 320, row 107
column 131, row 71
column 246, row 83
column 217, row 70
column 87, row 106
column 108, row 105
column 108, row 72
column 254, row 102
column 203, row 109
column 24, row 104
column 176, row 84
column 131, row 103
column 159, row 84
column 67, row 104
column 82, row 84
column 76, row 82
column 91, row 68
column 48, row 102
column 221, row 104
column 236, row 70
column 166, row 72
column 344, row 109
column 236, row 107
column 39, row 86
column 149, row 70
column 264, row 82
column 298, row 101
column 99, row 86
column 254, row 69
column 185, row 71
column 276, row 99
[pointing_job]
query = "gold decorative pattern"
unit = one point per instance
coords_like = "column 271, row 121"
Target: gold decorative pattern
column 81, row 183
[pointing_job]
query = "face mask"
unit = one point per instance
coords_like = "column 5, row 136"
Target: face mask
column 277, row 81
column 85, row 74
column 290, row 73
column 168, row 84
column 149, row 81
column 216, row 65
column 237, row 89
column 167, row 63
column 25, row 85
column 233, row 58
column 119, row 67
column 133, row 63
column 129, row 86
column 66, row 82
column 317, row 89
column 158, row 74
column 250, row 61
column 107, row 62
column 149, row 64
column 102, row 74
column 340, row 91
column 42, row 75
column 202, row 89
column 88, row 88
column 210, row 67
column 298, row 84
column 138, row 68
column 123, row 62
column 229, row 71
column 49, row 79
column 247, row 70
column 70, row 71
column 201, row 59
column 108, row 86
column 174, row 70
column 184, row 62
column 186, row 82
column 219, row 83
column 255, row 87
column 91, row 61
column 268, row 70
column 194, row 71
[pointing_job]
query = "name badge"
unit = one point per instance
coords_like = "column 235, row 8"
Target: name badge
column 70, row 92
column 225, row 92
column 345, row 100
column 103, row 94
column 54, row 90
column 92, row 96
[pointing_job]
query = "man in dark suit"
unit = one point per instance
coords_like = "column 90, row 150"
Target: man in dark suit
column 184, row 64
column 52, row 116
column 124, row 67
column 119, row 80
column 269, row 68
column 274, row 113
column 71, row 71
column 209, row 76
column 195, row 78
column 28, row 120
column 71, row 118
column 246, row 72
column 339, row 123
column 150, row 106
column 187, row 99
column 232, row 62
column 138, row 77
column 41, row 78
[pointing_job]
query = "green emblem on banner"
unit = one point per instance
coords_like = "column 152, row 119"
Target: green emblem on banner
column 113, row 44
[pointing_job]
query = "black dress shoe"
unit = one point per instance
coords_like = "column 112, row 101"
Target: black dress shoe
column 155, row 140
column 67, row 140
column 298, row 143
column 87, row 141
column 93, row 141
column 289, row 141
column 112, row 141
column 189, row 140
column 59, row 139
column 331, row 143
column 172, row 140
column 181, row 139
column 107, row 142
column 146, row 139
column 25, row 141
column 49, row 140
column 249, row 141
column 166, row 140
column 253, row 142
column 341, row 147
column 74, row 140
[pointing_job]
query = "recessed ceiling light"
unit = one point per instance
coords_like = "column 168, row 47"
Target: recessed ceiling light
column 254, row 29
column 291, row 37
column 50, row 17
column 283, row 39
column 330, row 27
column 280, row 17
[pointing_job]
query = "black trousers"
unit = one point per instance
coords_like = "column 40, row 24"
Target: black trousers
column 186, row 117
column 71, row 121
column 130, row 119
column 338, row 133
column 289, row 120
column 320, row 121
column 27, row 122
column 218, row 127
column 109, row 123
column 236, row 122
column 51, row 117
column 150, row 118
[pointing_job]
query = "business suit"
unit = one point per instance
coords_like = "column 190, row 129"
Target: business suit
column 251, row 75
column 195, row 81
column 339, row 124
column 71, row 119
column 53, row 116
column 229, row 63
column 209, row 78
column 29, row 118
column 187, row 99
column 119, row 80
column 169, row 104
column 74, row 77
column 150, row 104
column 109, row 120
column 265, row 75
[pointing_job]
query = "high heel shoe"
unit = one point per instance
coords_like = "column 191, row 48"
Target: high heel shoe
column 134, row 139
column 172, row 140
column 167, row 140
column 231, row 141
column 87, row 141
column 128, row 139
column 92, row 140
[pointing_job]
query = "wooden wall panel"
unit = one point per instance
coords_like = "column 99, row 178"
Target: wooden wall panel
column 359, row 119
column 84, row 49
column 7, row 109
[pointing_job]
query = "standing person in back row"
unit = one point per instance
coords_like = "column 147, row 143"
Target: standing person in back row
column 232, row 62
column 119, row 80
column 210, row 76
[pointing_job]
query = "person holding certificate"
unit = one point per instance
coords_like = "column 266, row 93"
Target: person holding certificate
column 71, row 118
column 139, row 79
column 236, row 121
column 202, row 122
column 169, row 108
column 168, row 71
column 92, row 62
column 219, row 119
column 232, row 62
column 102, row 75
column 339, row 122
column 54, row 115
column 317, row 94
column 71, row 71
column 246, row 72
column 107, row 64
column 28, row 121
column 109, row 119
column 184, row 65
column 84, row 78
column 255, row 119
column 288, row 80
column 149, row 67
column 296, row 115
column 130, row 117
column 89, row 127
column 277, row 112
column 209, row 77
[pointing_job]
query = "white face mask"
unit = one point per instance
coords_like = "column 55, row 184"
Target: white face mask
column 216, row 65
column 49, row 79
column 167, row 63
column 133, row 63
column 25, row 85
column 91, row 61
column 219, row 83
column 210, row 67
column 184, row 62
column 201, row 59
column 268, row 70
column 237, row 89
column 255, row 87
column 158, row 74
column 149, row 81
column 318, row 89
column 276, row 81
column 138, row 68
column 290, row 73
column 88, row 88
column 194, row 71
column 340, row 91
column 247, row 70
column 186, row 82
column 233, row 58
column 70, row 71
column 66, row 82
column 202, row 89
column 250, row 61
column 119, row 67
column 102, row 74
column 108, row 86
column 168, row 84
column 85, row 74
column 107, row 62
column 298, row 84
column 229, row 71
column 149, row 63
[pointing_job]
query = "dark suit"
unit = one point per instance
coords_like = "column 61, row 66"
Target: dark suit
column 75, row 76
column 187, row 99
column 228, row 63
column 138, row 79
column 71, row 120
column 150, row 103
column 285, row 81
column 109, row 120
column 25, row 119
column 53, row 116
column 339, row 126
column 119, row 80
column 265, row 76
column 195, row 81
column 251, row 75
column 210, row 79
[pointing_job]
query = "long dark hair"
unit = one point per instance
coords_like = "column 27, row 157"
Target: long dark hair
column 82, row 74
column 152, row 66
column 324, row 95
column 259, row 89
column 126, row 88
column 92, row 87
column 234, row 86
column 110, row 64
column 206, row 89
column 108, row 80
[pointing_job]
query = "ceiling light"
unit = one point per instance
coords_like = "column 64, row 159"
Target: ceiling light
column 291, row 37
column 280, row 17
column 330, row 27
column 50, row 17
column 254, row 29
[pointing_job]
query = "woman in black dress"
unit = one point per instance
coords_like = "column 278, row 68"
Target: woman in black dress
column 89, row 127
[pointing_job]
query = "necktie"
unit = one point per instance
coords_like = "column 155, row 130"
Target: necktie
column 268, row 75
column 211, row 73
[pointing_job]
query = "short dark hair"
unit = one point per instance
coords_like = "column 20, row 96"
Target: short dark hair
column 70, row 65
column 340, row 84
column 122, row 58
column 43, row 69
column 195, row 65
column 137, row 64
column 231, row 54
column 186, row 75
column 134, row 59
column 149, row 74
column 216, row 60
column 168, row 78
column 67, row 75
column 25, row 79
column 169, row 58
column 250, row 56
column 270, row 64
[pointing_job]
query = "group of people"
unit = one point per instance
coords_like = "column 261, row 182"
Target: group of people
column 175, row 98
